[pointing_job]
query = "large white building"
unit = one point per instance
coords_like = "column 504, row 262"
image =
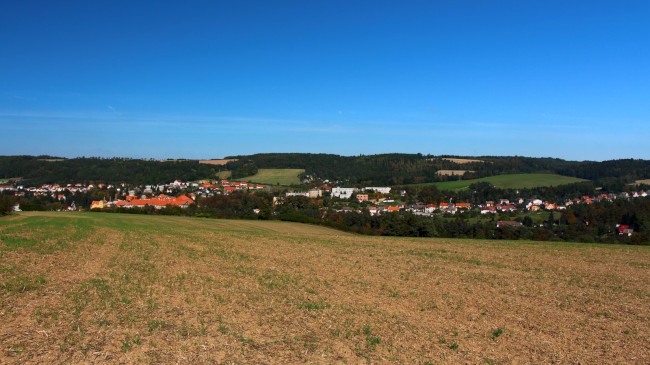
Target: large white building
column 343, row 193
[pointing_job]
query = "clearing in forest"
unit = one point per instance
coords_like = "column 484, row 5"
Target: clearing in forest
column 275, row 176
column 462, row 161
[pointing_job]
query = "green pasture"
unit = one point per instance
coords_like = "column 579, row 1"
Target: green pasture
column 275, row 176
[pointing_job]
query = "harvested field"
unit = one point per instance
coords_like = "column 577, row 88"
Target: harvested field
column 98, row 287
column 461, row 161
column 645, row 182
column 217, row 162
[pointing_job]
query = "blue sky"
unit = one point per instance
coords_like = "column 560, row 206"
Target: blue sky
column 567, row 79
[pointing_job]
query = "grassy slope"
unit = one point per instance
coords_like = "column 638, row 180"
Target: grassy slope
column 224, row 174
column 129, row 288
column 513, row 181
column 275, row 176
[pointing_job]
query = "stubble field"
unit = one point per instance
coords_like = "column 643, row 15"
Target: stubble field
column 94, row 288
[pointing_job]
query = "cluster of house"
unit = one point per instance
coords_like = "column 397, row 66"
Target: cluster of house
column 158, row 202
column 200, row 188
column 537, row 204
column 227, row 187
column 341, row 193
column 54, row 190
column 204, row 187
column 489, row 207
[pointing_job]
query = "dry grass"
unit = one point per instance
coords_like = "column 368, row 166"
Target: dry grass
column 218, row 162
column 127, row 288
column 645, row 182
column 461, row 161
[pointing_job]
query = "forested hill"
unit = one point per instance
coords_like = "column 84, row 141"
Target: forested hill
column 398, row 169
column 384, row 169
column 45, row 169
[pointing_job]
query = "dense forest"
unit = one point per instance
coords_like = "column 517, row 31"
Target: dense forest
column 45, row 169
column 481, row 192
column 384, row 169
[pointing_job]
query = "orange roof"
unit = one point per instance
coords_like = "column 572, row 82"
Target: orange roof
column 183, row 200
column 161, row 201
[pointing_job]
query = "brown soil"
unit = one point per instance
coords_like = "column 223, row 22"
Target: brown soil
column 176, row 290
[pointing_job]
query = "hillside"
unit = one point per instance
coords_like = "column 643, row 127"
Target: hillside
column 513, row 181
column 93, row 287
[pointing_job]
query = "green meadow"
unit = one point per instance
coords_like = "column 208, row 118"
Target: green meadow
column 275, row 176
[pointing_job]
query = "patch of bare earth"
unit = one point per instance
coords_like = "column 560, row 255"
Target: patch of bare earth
column 193, row 291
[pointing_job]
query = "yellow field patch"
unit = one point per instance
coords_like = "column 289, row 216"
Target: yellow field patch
column 461, row 160
column 218, row 162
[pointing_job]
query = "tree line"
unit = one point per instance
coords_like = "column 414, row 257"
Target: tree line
column 363, row 170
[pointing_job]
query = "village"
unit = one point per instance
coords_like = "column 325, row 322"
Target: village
column 371, row 200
